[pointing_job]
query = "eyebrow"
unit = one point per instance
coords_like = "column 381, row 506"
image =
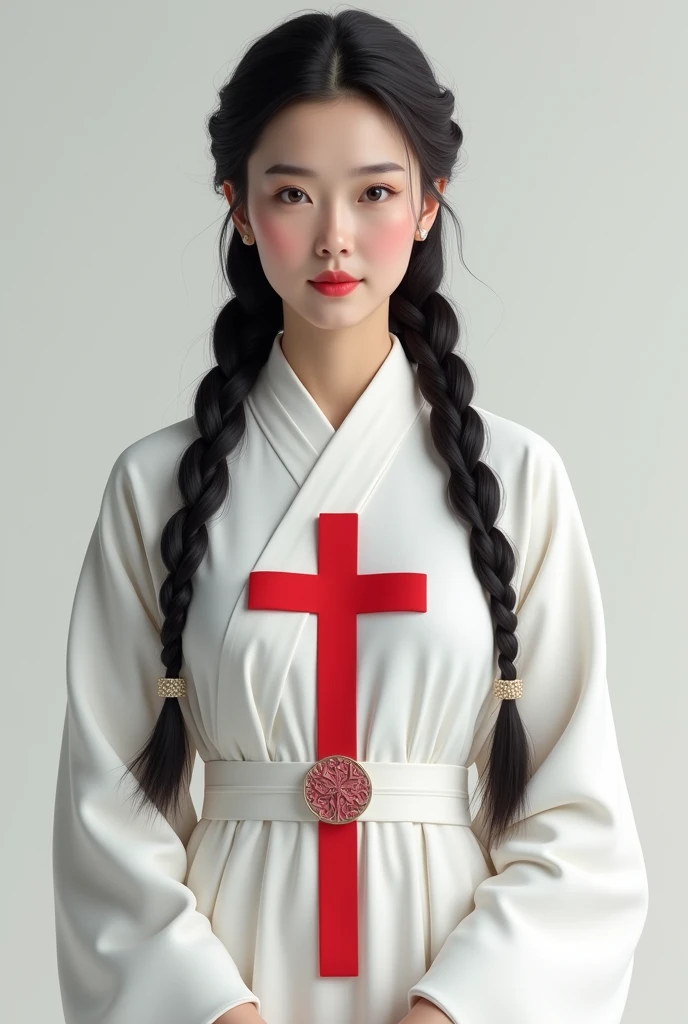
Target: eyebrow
column 354, row 172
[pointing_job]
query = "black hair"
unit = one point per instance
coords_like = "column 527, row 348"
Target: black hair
column 324, row 57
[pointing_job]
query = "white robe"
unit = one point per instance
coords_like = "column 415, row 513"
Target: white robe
column 174, row 922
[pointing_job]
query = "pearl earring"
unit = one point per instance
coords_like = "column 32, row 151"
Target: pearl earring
column 423, row 234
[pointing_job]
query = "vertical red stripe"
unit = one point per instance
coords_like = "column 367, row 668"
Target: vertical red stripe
column 337, row 594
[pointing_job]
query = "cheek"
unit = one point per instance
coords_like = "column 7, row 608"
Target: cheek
column 283, row 240
column 390, row 242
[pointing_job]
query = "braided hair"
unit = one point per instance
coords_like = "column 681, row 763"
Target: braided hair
column 319, row 56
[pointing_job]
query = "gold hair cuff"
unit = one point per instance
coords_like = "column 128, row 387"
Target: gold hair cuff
column 171, row 687
column 508, row 689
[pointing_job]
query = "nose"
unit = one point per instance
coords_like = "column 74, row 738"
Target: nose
column 336, row 233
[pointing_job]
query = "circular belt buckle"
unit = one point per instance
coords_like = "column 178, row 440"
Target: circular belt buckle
column 337, row 789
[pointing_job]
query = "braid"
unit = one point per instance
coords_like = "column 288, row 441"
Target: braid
column 429, row 330
column 241, row 342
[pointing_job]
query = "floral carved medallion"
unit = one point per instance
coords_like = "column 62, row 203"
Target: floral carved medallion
column 337, row 789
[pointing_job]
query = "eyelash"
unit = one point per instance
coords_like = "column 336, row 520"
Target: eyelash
column 294, row 188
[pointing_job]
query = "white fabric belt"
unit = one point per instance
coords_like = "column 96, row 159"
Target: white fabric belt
column 273, row 790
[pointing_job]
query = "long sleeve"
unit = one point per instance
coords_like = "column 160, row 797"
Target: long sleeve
column 553, row 932
column 131, row 945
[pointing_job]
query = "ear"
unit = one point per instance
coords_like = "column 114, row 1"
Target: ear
column 240, row 221
column 431, row 206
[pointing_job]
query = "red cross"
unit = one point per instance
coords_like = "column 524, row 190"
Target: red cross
column 337, row 594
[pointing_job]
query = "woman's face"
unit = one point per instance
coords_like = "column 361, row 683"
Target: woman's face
column 325, row 216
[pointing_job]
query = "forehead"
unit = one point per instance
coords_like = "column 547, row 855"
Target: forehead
column 332, row 138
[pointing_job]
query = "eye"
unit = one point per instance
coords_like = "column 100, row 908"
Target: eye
column 384, row 188
column 278, row 195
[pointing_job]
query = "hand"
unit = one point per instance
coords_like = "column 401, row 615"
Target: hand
column 244, row 1013
column 425, row 1012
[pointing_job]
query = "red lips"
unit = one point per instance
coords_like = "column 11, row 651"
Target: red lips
column 333, row 277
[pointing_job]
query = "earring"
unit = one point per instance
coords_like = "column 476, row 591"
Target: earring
column 246, row 237
column 423, row 234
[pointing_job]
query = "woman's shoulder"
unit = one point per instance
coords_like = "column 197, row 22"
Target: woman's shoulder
column 142, row 482
column 157, row 454
column 511, row 445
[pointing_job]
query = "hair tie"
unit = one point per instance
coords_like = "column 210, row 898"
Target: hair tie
column 508, row 689
column 168, row 687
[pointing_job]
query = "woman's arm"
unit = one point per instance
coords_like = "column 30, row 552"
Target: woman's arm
column 244, row 1013
column 131, row 943
column 424, row 1012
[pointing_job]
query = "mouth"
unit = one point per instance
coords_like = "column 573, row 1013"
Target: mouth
column 333, row 277
column 334, row 288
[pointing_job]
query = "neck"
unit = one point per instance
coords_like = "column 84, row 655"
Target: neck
column 335, row 366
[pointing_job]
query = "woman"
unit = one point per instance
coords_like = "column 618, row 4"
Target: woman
column 340, row 642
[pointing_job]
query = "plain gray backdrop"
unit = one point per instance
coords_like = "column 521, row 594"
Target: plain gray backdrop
column 572, row 197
